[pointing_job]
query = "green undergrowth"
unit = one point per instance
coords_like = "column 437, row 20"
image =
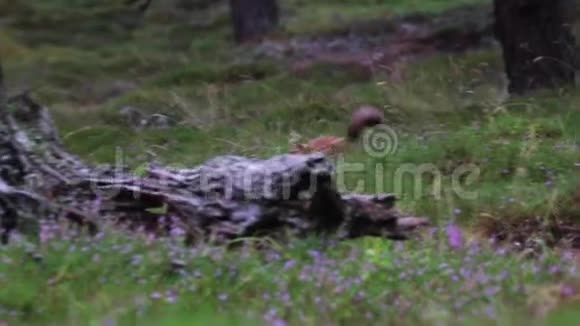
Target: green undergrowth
column 124, row 280
column 453, row 136
column 449, row 123
column 326, row 16
column 456, row 151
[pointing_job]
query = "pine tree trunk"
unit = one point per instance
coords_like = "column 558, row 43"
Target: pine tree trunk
column 252, row 19
column 539, row 49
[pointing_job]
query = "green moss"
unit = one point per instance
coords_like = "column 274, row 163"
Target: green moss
column 326, row 16
column 197, row 74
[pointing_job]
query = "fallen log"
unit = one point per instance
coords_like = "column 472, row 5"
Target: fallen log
column 226, row 198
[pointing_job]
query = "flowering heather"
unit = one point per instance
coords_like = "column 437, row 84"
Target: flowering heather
column 449, row 110
column 118, row 279
column 455, row 236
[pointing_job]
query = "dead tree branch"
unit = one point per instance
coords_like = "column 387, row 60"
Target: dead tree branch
column 225, row 198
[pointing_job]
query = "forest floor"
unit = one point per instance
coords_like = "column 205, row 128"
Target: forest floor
column 458, row 151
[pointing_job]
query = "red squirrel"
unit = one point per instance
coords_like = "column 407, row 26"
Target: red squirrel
column 364, row 117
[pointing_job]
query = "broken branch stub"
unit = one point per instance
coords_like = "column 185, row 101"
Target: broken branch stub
column 225, row 198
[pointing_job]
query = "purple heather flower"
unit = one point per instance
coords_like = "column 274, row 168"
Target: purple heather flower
column 555, row 269
column 454, row 236
column 465, row 273
column 223, row 297
column 490, row 312
column 503, row 276
column 481, row 278
column 273, row 256
column 491, row 291
column 359, row 297
column 136, row 259
column 567, row 291
column 156, row 295
column 171, row 296
column 289, row 264
column 96, row 258
column 278, row 322
column 271, row 313
column 459, row 304
column 286, row 298
column 568, row 256
column 315, row 254
column 176, row 231
column 457, row 211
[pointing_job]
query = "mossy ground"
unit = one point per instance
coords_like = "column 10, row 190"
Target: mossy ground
column 87, row 59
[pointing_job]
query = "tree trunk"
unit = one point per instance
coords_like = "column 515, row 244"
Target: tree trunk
column 226, row 198
column 252, row 19
column 539, row 49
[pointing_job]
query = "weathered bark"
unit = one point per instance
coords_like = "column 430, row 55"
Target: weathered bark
column 539, row 49
column 252, row 19
column 1, row 86
column 225, row 198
